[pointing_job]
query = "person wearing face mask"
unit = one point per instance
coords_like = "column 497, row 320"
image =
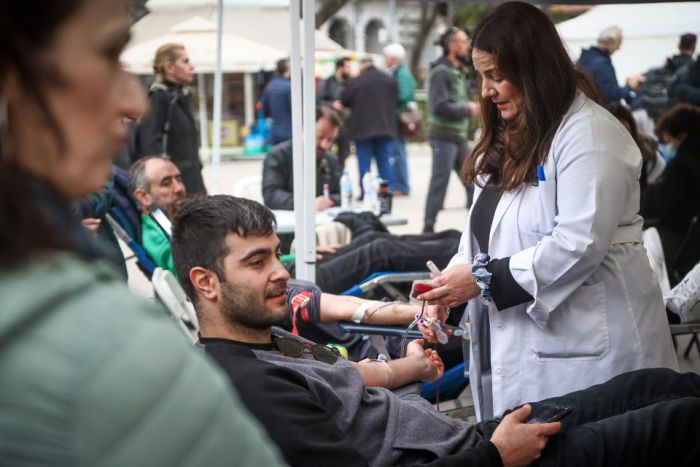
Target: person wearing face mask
column 169, row 127
column 89, row 374
column 561, row 295
column 670, row 202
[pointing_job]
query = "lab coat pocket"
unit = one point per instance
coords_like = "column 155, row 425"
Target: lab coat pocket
column 577, row 329
column 539, row 208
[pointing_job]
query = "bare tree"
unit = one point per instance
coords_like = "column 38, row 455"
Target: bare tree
column 328, row 9
column 428, row 15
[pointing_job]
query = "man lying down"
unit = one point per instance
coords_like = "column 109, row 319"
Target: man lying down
column 316, row 407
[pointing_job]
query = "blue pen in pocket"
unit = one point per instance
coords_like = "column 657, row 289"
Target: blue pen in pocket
column 540, row 174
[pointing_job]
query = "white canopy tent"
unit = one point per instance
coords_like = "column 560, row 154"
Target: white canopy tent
column 199, row 36
column 650, row 32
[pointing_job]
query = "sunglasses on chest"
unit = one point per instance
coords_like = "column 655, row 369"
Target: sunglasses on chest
column 294, row 348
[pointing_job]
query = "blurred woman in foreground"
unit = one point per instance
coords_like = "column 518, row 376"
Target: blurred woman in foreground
column 89, row 374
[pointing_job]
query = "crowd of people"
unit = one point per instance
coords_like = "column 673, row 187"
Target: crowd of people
column 581, row 233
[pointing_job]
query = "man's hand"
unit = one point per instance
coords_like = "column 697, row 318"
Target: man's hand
column 323, row 203
column 430, row 363
column 92, row 224
column 633, row 81
column 326, row 250
column 453, row 287
column 437, row 312
column 521, row 444
column 474, row 109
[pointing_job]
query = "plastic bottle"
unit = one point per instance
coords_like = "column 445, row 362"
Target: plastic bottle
column 376, row 202
column 369, row 193
column 345, row 191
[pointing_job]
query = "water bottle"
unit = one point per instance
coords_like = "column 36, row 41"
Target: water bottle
column 368, row 188
column 345, row 191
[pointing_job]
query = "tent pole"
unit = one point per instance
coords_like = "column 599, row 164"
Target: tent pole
column 216, row 155
column 248, row 98
column 303, row 139
column 309, row 115
column 203, row 117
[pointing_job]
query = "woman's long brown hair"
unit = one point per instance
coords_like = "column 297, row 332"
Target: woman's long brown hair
column 529, row 53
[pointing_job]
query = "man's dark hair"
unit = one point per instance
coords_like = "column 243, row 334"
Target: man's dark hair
column 282, row 66
column 682, row 118
column 329, row 114
column 445, row 39
column 687, row 41
column 340, row 63
column 200, row 229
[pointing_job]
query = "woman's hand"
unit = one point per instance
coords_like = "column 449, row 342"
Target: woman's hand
column 453, row 287
column 439, row 313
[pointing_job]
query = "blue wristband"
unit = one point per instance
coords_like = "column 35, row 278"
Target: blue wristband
column 483, row 276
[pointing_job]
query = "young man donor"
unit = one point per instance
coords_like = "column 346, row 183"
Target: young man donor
column 155, row 182
column 319, row 411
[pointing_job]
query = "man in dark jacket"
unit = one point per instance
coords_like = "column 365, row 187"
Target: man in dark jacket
column 276, row 102
column 372, row 99
column 321, row 410
column 278, row 176
column 449, row 110
column 170, row 128
column 686, row 50
column 596, row 62
column 329, row 93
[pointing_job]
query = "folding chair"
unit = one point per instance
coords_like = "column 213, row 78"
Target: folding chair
column 144, row 262
column 173, row 297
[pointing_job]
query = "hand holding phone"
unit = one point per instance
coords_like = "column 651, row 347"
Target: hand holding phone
column 549, row 414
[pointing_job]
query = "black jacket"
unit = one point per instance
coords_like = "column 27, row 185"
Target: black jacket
column 278, row 177
column 169, row 100
column 373, row 99
column 329, row 91
column 670, row 203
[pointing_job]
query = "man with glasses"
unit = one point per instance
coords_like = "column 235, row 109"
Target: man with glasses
column 323, row 410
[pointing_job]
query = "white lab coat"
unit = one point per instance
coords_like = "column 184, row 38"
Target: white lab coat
column 575, row 244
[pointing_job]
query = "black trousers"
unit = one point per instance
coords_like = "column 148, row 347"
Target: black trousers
column 642, row 418
column 378, row 251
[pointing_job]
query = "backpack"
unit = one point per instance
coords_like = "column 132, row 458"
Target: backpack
column 653, row 93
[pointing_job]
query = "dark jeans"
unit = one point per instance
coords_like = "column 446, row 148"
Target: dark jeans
column 642, row 418
column 448, row 155
column 378, row 251
column 380, row 148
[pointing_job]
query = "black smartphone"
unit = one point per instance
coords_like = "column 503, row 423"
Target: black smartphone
column 548, row 414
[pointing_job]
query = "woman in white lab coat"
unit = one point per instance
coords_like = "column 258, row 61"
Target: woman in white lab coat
column 571, row 300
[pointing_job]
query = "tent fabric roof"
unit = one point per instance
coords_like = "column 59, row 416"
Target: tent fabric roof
column 642, row 20
column 198, row 35
column 267, row 25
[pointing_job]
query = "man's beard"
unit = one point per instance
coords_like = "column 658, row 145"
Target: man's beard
column 241, row 306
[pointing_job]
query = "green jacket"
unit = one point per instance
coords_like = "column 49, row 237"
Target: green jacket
column 447, row 100
column 407, row 86
column 156, row 244
column 92, row 375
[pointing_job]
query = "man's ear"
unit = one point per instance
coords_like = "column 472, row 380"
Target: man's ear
column 143, row 198
column 205, row 283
